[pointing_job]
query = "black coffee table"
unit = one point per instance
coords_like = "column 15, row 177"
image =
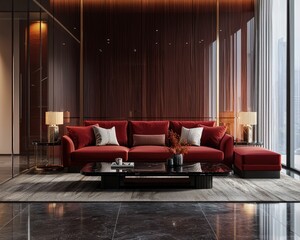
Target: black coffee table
column 156, row 175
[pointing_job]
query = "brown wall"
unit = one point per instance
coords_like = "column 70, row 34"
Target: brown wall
column 154, row 64
column 152, row 59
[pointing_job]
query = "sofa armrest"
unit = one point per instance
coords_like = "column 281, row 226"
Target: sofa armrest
column 67, row 147
column 226, row 146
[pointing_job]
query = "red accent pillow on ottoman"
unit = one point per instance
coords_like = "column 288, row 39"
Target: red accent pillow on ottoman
column 81, row 136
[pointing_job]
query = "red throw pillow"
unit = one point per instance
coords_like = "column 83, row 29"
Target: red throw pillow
column 82, row 136
column 120, row 126
column 212, row 136
column 177, row 125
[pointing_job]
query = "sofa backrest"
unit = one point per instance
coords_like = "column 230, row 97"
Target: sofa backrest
column 126, row 129
column 177, row 125
column 147, row 128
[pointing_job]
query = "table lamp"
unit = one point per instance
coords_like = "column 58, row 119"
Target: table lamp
column 247, row 119
column 53, row 119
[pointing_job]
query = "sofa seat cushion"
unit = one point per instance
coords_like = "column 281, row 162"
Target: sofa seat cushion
column 100, row 153
column 256, row 159
column 203, row 154
column 149, row 153
column 120, row 126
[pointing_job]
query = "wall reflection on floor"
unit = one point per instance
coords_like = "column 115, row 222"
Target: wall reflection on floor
column 20, row 164
column 149, row 221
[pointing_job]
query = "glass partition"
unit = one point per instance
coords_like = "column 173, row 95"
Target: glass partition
column 6, row 95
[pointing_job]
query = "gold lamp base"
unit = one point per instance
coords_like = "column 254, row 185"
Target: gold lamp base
column 248, row 133
column 53, row 133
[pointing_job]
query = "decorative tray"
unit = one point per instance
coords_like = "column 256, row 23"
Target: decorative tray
column 124, row 165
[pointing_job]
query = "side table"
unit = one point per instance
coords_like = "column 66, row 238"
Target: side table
column 47, row 155
column 244, row 144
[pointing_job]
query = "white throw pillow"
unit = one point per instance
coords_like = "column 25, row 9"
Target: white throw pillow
column 105, row 136
column 191, row 136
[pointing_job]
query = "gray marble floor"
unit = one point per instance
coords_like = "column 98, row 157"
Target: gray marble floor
column 149, row 221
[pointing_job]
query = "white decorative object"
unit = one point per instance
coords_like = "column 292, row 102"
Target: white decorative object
column 247, row 119
column 105, row 136
column 52, row 119
column 124, row 165
column 191, row 136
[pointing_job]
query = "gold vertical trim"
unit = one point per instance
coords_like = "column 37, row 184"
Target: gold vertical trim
column 218, row 62
column 81, row 92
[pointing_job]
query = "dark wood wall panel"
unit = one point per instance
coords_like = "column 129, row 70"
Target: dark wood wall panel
column 112, row 63
column 158, row 60
column 64, row 72
column 154, row 65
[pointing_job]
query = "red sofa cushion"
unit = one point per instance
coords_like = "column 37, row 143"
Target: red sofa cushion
column 203, row 154
column 256, row 159
column 149, row 153
column 100, row 153
column 81, row 136
column 120, row 126
column 177, row 125
column 148, row 128
column 212, row 136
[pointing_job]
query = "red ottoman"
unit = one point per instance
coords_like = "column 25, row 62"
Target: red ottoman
column 256, row 162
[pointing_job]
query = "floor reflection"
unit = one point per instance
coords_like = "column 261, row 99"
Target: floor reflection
column 149, row 221
column 13, row 165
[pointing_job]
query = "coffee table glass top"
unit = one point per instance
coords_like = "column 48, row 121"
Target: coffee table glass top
column 156, row 168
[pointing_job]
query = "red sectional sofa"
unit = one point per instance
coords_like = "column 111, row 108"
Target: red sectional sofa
column 79, row 145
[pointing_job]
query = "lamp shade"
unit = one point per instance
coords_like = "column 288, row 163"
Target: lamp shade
column 54, row 118
column 247, row 118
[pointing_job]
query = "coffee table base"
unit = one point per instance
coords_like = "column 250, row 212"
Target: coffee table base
column 118, row 181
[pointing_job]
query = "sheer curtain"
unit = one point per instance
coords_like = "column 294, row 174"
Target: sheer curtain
column 263, row 70
column 271, row 73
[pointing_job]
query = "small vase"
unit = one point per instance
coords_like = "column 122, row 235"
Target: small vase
column 178, row 159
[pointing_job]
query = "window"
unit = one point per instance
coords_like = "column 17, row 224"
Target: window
column 295, row 80
column 278, row 86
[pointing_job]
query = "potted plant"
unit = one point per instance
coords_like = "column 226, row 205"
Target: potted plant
column 178, row 148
